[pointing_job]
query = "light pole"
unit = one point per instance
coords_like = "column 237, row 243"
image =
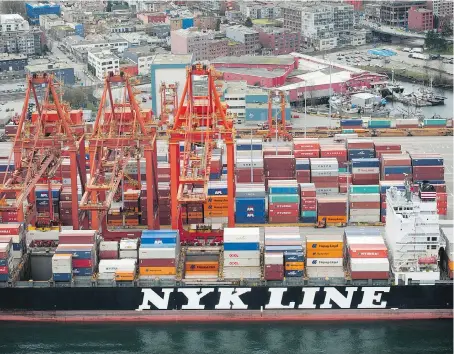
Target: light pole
column 329, row 98
column 305, row 110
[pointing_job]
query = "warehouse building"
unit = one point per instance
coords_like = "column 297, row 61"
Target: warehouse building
column 63, row 72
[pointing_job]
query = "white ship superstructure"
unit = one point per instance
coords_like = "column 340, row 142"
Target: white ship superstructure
column 413, row 234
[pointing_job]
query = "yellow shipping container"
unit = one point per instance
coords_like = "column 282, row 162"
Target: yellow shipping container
column 157, row 270
column 124, row 276
column 333, row 219
column 218, row 199
column 323, row 252
column 294, row 266
column 451, row 265
column 330, row 246
column 217, row 213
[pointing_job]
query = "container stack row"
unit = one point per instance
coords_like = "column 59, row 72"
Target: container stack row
column 216, row 206
column 365, row 171
column 308, row 194
column 109, row 250
column 250, row 204
column 303, row 170
column 325, row 175
column 324, row 256
column 249, row 161
column 365, row 204
column 6, row 260
column 306, row 147
column 14, row 232
column 158, row 253
column 283, row 202
column 366, row 254
column 242, row 253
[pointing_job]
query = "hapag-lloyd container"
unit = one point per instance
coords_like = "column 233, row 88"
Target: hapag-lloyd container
column 324, row 262
column 333, row 209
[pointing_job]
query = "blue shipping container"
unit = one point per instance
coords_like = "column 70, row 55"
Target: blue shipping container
column 4, row 277
column 17, row 246
column 242, row 246
column 427, row 162
column 309, row 213
column 4, row 167
column 431, row 181
column 158, row 245
column 397, row 170
column 247, row 205
column 255, row 219
column 76, row 254
column 283, row 190
column 294, row 273
column 249, row 147
column 45, row 202
column 360, row 154
column 308, row 219
column 293, row 256
column 3, row 262
column 44, row 193
column 217, row 191
column 83, row 272
column 62, row 276
column 350, row 122
column 159, row 240
column 368, row 162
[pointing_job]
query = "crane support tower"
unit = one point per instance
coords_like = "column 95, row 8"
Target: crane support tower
column 200, row 120
column 122, row 133
column 43, row 139
column 277, row 127
column 169, row 101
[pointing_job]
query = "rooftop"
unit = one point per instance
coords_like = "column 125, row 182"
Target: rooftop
column 142, row 51
column 420, row 9
column 172, row 59
column 243, row 29
column 6, row 56
column 4, row 18
column 253, row 72
column 51, row 16
column 42, row 4
column 48, row 67
column 102, row 53
column 256, row 60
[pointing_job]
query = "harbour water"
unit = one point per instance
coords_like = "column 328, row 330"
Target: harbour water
column 411, row 337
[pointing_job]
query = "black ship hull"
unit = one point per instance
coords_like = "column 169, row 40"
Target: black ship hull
column 205, row 303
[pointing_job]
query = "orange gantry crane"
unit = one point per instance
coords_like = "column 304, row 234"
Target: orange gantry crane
column 277, row 127
column 169, row 101
column 122, row 132
column 199, row 121
column 42, row 140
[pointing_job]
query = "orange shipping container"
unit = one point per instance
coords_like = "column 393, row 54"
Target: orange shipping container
column 217, row 214
column 217, row 199
column 157, row 271
column 202, row 266
column 323, row 253
column 451, row 265
column 294, row 266
column 324, row 246
column 333, row 219
column 124, row 276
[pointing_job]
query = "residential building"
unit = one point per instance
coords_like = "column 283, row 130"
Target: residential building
column 395, row 12
column 343, row 18
column 169, row 69
column 234, row 15
column 372, row 11
column 441, row 8
column 63, row 72
column 248, row 36
column 12, row 62
column 102, row 61
column 152, row 17
column 358, row 38
column 142, row 56
column 177, row 23
column 260, row 9
column 34, row 10
column 203, row 45
column 46, row 22
column 16, row 36
column 420, row 19
column 206, row 22
column 61, row 32
column 160, row 30
column 277, row 41
column 235, row 49
column 148, row 5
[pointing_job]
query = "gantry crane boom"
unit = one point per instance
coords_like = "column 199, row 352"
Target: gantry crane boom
column 199, row 120
column 41, row 142
column 121, row 132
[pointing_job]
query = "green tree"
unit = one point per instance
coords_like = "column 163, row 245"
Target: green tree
column 446, row 27
column 248, row 22
column 76, row 97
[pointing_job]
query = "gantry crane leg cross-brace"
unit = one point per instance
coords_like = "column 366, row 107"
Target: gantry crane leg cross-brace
column 199, row 120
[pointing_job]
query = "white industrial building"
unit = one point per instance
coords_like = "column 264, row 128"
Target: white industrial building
column 102, row 61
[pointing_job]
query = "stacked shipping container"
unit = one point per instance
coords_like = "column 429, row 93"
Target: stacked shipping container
column 306, row 147
column 365, row 171
column 279, row 167
column 395, row 167
column 325, row 175
column 16, row 233
column 360, row 148
column 308, row 194
column 365, row 204
column 303, row 170
column 250, row 204
column 84, row 258
column 6, row 260
column 335, row 151
column 324, row 254
column 109, row 250
column 283, row 202
column 332, row 209
column 249, row 161
column 62, row 267
column 242, row 253
column 202, row 266
column 117, row 269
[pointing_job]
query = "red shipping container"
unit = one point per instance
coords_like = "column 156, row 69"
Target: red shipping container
column 323, row 179
column 309, row 201
column 280, row 152
column 306, row 207
column 343, row 188
column 394, row 177
column 301, row 179
column 360, row 144
column 10, row 229
column 283, row 206
column 394, row 160
column 341, row 155
column 108, row 254
column 4, row 270
column 326, row 184
column 302, row 144
column 306, row 153
column 365, row 205
column 288, row 174
column 282, row 219
column 368, row 251
column 440, row 188
column 82, row 263
column 442, row 211
column 9, row 216
column 161, row 262
column 75, row 240
column 387, row 146
column 247, row 171
column 247, row 179
column 369, row 275
column 382, row 152
column 285, row 213
column 383, row 218
column 303, row 173
column 308, row 193
column 406, row 126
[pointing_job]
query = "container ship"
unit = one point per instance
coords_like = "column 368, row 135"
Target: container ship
column 205, row 226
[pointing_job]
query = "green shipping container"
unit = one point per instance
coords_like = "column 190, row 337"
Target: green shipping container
column 379, row 124
column 342, row 169
column 347, row 131
column 284, row 198
column 434, row 122
column 364, row 189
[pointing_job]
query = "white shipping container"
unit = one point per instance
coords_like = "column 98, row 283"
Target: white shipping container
column 247, row 153
column 325, row 272
column 274, row 258
column 365, row 218
column 242, row 272
column 369, row 264
column 364, row 212
column 326, row 191
column 324, row 166
column 17, row 254
column 113, row 265
column 365, row 170
column 248, row 163
column 127, row 244
column 241, row 235
column 241, row 254
column 106, row 276
column 62, row 269
column 325, row 238
column 364, row 197
column 128, row 254
column 77, row 233
column 366, row 240
column 242, row 262
column 34, row 235
column 324, row 262
column 407, row 122
column 108, row 246
column 323, row 173
column 155, row 253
